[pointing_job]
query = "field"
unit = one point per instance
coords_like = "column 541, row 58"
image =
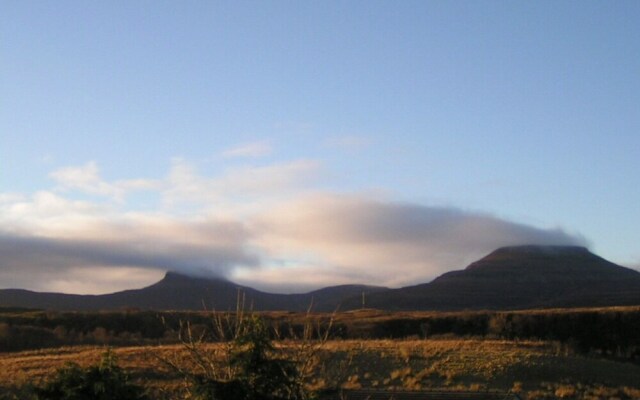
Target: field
column 449, row 360
column 533, row 369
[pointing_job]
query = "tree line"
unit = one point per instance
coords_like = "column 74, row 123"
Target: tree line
column 609, row 331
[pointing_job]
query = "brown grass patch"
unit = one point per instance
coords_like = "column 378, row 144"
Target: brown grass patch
column 407, row 364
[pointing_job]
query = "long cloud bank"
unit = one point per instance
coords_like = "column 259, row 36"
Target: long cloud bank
column 346, row 238
column 249, row 233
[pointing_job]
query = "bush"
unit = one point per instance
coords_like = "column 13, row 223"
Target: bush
column 105, row 381
column 254, row 370
column 245, row 364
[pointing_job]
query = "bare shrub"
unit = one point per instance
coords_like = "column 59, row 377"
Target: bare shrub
column 242, row 358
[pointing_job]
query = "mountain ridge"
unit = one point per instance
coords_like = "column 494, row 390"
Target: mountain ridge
column 176, row 291
column 514, row 277
column 519, row 277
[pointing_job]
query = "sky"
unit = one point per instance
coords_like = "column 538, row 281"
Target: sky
column 291, row 145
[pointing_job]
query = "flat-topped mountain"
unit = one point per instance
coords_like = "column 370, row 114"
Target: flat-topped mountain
column 523, row 277
column 508, row 278
column 181, row 292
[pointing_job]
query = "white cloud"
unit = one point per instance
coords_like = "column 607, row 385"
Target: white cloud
column 388, row 243
column 239, row 184
column 254, row 149
column 257, row 224
column 83, row 280
column 49, row 214
column 203, row 247
column 278, row 279
column 86, row 178
column 9, row 198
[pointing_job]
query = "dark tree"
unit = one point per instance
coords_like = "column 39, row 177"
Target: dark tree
column 105, row 381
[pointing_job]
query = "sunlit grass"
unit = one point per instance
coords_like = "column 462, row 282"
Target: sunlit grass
column 534, row 369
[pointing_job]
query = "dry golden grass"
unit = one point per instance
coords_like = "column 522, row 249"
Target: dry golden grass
column 535, row 369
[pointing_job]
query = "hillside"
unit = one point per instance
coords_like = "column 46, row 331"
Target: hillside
column 522, row 277
column 180, row 292
column 509, row 278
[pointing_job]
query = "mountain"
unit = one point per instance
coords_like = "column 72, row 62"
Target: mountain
column 181, row 292
column 518, row 278
column 509, row 278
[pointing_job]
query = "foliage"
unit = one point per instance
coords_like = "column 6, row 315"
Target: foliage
column 252, row 368
column 105, row 381
column 608, row 331
column 434, row 364
column 257, row 370
column 247, row 365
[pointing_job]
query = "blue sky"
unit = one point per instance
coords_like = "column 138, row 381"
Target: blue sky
column 135, row 114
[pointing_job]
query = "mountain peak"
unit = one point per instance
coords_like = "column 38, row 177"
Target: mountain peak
column 170, row 275
column 537, row 260
column 178, row 278
column 545, row 250
column 519, row 277
column 509, row 278
column 536, row 251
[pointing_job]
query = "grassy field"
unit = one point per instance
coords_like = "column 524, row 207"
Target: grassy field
column 533, row 369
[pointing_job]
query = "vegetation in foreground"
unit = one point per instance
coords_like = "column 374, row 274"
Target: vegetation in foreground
column 103, row 381
column 536, row 370
column 245, row 360
column 605, row 331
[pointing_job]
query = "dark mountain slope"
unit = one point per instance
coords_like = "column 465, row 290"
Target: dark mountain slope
column 509, row 278
column 181, row 292
column 522, row 277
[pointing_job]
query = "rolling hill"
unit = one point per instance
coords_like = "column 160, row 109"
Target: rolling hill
column 509, row 278
column 521, row 277
column 181, row 292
